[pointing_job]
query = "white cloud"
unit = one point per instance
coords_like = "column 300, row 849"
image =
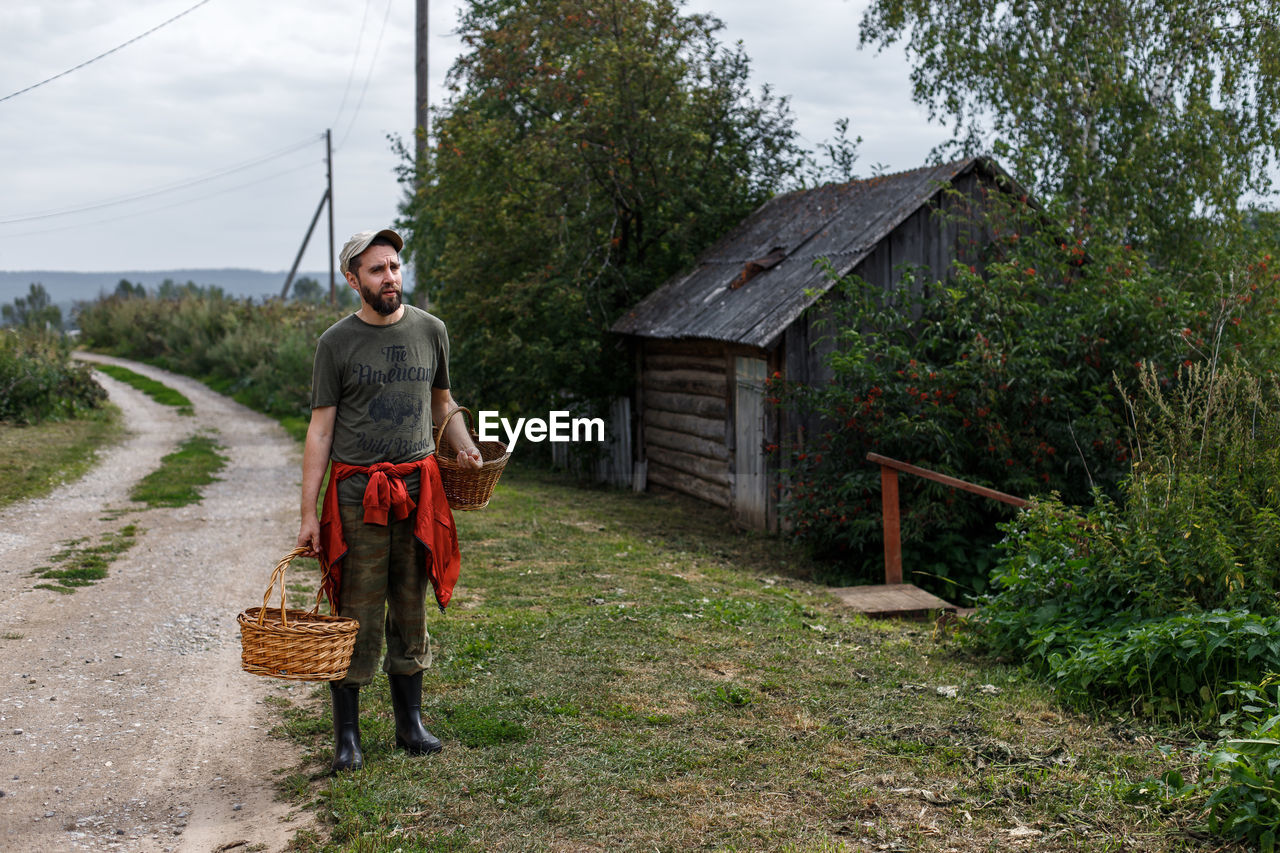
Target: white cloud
column 238, row 79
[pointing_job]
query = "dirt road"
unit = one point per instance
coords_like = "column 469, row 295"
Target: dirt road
column 125, row 720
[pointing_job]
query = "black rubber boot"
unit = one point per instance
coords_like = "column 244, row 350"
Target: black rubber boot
column 346, row 728
column 406, row 700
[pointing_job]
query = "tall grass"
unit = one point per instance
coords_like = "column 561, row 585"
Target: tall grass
column 1163, row 598
column 258, row 353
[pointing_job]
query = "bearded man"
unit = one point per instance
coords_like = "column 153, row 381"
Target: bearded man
column 380, row 380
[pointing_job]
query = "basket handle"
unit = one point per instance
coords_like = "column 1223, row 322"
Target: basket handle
column 277, row 575
column 445, row 422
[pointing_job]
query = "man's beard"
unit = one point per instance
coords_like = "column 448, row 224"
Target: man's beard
column 384, row 305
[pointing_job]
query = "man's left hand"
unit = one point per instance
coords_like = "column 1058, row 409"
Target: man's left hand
column 470, row 459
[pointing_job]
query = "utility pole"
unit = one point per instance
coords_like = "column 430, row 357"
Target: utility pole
column 421, row 120
column 420, row 116
column 327, row 198
column 328, row 156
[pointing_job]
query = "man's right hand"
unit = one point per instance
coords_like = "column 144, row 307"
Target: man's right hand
column 309, row 536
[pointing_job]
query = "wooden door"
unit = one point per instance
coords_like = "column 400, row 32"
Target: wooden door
column 750, row 483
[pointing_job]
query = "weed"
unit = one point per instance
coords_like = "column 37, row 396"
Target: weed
column 39, row 380
column 154, row 389
column 733, row 695
column 481, row 727
column 83, row 565
column 178, row 480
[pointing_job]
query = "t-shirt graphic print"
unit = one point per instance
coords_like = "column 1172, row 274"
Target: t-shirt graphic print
column 380, row 379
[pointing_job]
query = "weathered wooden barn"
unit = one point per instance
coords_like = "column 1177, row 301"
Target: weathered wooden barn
column 706, row 341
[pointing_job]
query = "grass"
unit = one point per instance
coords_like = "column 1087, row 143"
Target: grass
column 34, row 460
column 79, row 564
column 294, row 425
column 177, row 481
column 625, row 672
column 157, row 391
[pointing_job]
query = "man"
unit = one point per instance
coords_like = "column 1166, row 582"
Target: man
column 379, row 381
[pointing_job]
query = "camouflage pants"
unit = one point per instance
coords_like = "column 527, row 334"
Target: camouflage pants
column 385, row 587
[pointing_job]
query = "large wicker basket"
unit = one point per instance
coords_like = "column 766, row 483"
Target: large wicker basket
column 469, row 488
column 301, row 645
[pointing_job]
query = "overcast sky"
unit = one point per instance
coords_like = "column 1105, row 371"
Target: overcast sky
column 206, row 102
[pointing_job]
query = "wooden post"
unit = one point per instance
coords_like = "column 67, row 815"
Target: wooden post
column 284, row 294
column 892, row 534
column 889, row 469
column 328, row 158
column 421, row 128
column 420, row 115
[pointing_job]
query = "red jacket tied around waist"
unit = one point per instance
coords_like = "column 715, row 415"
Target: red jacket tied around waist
column 386, row 500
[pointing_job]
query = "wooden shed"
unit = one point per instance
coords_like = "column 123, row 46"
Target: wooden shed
column 706, row 340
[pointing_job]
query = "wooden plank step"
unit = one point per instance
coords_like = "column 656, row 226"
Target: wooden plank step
column 897, row 600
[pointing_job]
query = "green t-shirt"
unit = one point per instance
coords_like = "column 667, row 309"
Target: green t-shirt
column 380, row 378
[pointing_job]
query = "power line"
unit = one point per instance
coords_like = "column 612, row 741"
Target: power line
column 224, row 191
column 166, row 188
column 372, row 64
column 102, row 55
column 355, row 59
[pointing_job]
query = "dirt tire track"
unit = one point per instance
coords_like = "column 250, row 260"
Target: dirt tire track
column 125, row 720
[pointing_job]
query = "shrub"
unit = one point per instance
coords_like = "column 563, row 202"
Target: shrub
column 1177, row 664
column 1001, row 376
column 1244, row 770
column 39, row 381
column 261, row 354
column 1166, row 594
column 1203, row 485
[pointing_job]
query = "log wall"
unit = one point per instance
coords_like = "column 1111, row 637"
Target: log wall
column 685, row 413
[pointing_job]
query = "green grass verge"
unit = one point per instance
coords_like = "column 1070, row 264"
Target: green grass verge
column 157, row 391
column 36, row 459
column 294, row 425
column 80, row 564
column 626, row 672
column 181, row 474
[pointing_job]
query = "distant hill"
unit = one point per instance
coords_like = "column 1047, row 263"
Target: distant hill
column 66, row 288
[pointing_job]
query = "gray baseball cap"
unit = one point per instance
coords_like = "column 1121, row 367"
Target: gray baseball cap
column 359, row 242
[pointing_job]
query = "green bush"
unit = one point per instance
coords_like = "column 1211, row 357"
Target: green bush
column 39, row 381
column 261, row 354
column 1001, row 376
column 1203, row 486
column 1178, row 664
column 1166, row 594
column 1244, row 770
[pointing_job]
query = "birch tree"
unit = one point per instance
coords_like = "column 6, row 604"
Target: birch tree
column 1149, row 116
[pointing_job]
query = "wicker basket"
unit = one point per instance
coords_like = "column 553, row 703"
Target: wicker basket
column 469, row 488
column 301, row 645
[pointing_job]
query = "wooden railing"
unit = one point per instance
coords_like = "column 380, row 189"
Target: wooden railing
column 889, row 469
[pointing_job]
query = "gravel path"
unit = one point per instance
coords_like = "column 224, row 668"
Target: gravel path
column 125, row 720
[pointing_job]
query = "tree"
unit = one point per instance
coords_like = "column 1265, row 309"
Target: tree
column 1151, row 115
column 126, row 289
column 35, row 311
column 588, row 151
column 307, row 289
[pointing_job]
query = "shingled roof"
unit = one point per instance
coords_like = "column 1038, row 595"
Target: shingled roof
column 754, row 282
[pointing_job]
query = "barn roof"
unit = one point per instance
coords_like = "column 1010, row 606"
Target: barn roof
column 770, row 256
